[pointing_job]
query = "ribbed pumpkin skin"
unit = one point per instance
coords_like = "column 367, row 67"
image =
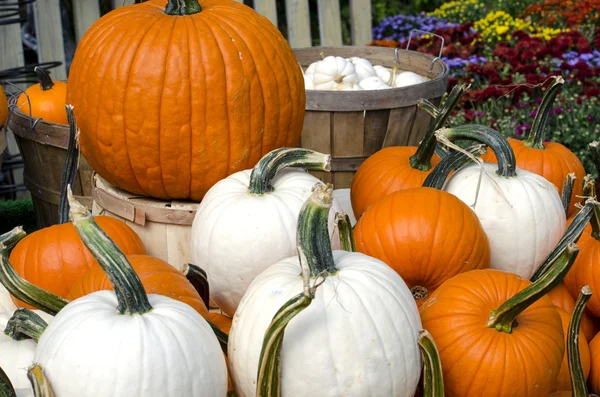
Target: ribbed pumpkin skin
column 3, row 107
column 48, row 105
column 584, row 272
column 54, row 258
column 168, row 106
column 425, row 235
column 594, row 378
column 561, row 297
column 385, row 172
column 480, row 361
column 157, row 276
column 563, row 381
column 554, row 163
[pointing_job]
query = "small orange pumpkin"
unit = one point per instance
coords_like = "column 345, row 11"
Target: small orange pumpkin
column 563, row 380
column 3, row 107
column 551, row 160
column 45, row 100
column 400, row 167
column 562, row 298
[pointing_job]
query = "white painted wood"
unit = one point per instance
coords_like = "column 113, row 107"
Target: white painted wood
column 360, row 18
column 267, row 8
column 85, row 13
column 120, row 3
column 298, row 23
column 330, row 22
column 51, row 46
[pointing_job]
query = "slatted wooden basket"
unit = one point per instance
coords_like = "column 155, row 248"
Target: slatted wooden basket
column 352, row 125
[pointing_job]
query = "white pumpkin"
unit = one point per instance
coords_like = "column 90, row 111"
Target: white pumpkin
column 357, row 338
column 521, row 212
column 308, row 81
column 373, row 83
column 383, row 73
column 347, row 87
column 128, row 345
column 405, row 79
column 6, row 303
column 364, row 68
column 311, row 68
column 243, row 225
column 343, row 198
column 332, row 71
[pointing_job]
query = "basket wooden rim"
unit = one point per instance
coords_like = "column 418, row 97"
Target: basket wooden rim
column 141, row 209
column 352, row 101
column 44, row 132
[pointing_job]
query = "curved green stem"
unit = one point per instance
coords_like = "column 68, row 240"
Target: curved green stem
column 267, row 168
column 69, row 176
column 433, row 377
column 43, row 77
column 595, row 222
column 20, row 288
column 421, row 160
column 572, row 235
column 504, row 318
column 130, row 292
column 442, row 151
column 429, row 107
column 451, row 163
column 41, row 386
column 6, row 387
column 342, row 220
column 25, row 324
column 567, row 192
column 492, row 138
column 537, row 134
column 182, row 7
column 312, row 235
column 222, row 337
column 577, row 378
column 198, row 278
column 589, row 187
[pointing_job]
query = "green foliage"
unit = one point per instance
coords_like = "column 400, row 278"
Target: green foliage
column 460, row 11
column 17, row 213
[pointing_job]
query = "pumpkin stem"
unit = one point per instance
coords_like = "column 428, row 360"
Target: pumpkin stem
column 504, row 318
column 577, row 378
column 25, row 324
column 199, row 280
column 572, row 235
column 421, row 160
column 594, row 148
column 342, row 221
column 130, row 292
column 41, row 386
column 589, row 188
column 69, row 176
column 6, row 387
column 182, row 7
column 312, row 238
column 43, row 76
column 442, row 150
column 453, row 162
column 269, row 365
column 222, row 337
column 433, row 377
column 20, row 288
column 492, row 138
column 267, row 168
column 429, row 107
column 537, row 134
column 568, row 191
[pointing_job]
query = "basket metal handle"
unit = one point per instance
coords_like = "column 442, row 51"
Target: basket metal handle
column 426, row 32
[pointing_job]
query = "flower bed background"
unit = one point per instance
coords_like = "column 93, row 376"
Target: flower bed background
column 507, row 51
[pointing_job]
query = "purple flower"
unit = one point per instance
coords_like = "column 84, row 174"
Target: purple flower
column 521, row 105
column 534, row 113
column 557, row 111
column 522, row 129
column 538, row 100
column 590, row 117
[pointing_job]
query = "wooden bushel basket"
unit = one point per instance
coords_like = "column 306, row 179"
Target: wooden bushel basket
column 43, row 146
column 352, row 125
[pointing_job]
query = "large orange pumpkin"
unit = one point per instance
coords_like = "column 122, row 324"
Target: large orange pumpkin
column 563, row 380
column 3, row 107
column 54, row 258
column 551, row 160
column 399, row 167
column 594, row 378
column 171, row 100
column 45, row 100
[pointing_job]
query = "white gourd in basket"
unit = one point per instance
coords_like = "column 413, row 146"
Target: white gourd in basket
column 364, row 68
column 332, row 71
column 373, row 83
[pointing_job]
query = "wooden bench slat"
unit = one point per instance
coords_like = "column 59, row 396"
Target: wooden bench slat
column 330, row 23
column 267, row 8
column 51, row 46
column 85, row 13
column 298, row 22
column 360, row 18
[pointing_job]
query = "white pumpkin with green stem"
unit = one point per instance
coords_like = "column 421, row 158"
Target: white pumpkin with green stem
column 521, row 212
column 247, row 221
column 126, row 343
column 333, row 71
column 359, row 336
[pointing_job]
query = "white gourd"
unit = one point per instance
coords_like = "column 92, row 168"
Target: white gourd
column 373, row 83
column 405, row 79
column 364, row 68
column 6, row 303
column 347, row 87
column 331, row 71
column 343, row 198
column 383, row 73
column 311, row 68
column 308, row 82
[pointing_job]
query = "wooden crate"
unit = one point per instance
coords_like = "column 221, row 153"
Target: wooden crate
column 43, row 146
column 165, row 226
column 353, row 125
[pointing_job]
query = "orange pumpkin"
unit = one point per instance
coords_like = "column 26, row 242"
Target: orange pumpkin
column 562, row 298
column 584, row 271
column 54, row 258
column 3, row 107
column 45, row 100
column 563, row 380
column 426, row 235
column 399, row 167
column 551, row 160
column 171, row 100
column 594, row 378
